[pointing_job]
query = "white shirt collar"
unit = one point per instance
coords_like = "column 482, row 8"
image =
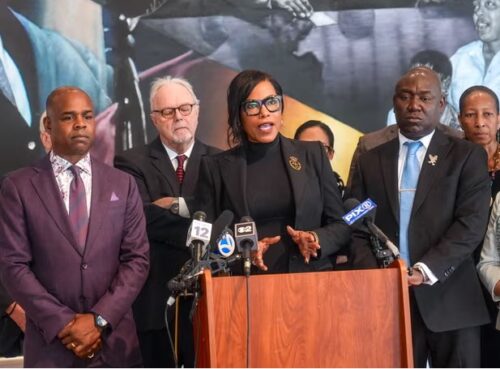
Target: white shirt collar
column 59, row 164
column 426, row 140
column 173, row 154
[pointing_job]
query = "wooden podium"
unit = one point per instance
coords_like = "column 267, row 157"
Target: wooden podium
column 358, row 318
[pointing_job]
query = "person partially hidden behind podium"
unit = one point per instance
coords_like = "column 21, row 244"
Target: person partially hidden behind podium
column 166, row 171
column 286, row 186
column 315, row 130
column 433, row 194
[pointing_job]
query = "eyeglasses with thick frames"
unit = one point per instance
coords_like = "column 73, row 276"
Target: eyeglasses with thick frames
column 253, row 107
column 184, row 109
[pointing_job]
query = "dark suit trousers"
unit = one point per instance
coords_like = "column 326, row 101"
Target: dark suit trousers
column 451, row 349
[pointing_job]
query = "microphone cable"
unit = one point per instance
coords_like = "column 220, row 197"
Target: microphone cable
column 171, row 341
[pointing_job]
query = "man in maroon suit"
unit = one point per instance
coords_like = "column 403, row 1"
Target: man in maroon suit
column 74, row 251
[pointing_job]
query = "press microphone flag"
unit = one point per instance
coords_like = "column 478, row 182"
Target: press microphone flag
column 199, row 229
column 366, row 210
column 226, row 244
column 359, row 211
column 246, row 240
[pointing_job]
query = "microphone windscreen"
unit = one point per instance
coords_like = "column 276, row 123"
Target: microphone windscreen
column 223, row 221
column 351, row 203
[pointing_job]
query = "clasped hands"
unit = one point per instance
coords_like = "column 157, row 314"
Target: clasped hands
column 81, row 336
column 306, row 241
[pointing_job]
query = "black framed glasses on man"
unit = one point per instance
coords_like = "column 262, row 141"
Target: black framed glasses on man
column 168, row 113
column 253, row 107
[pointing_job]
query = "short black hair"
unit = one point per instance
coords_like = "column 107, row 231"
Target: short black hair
column 239, row 89
column 478, row 88
column 319, row 124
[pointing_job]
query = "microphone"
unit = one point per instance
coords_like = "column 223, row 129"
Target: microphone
column 358, row 210
column 221, row 231
column 366, row 210
column 226, row 244
column 247, row 240
column 198, row 235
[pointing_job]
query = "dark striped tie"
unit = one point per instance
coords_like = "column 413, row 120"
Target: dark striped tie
column 179, row 172
column 78, row 215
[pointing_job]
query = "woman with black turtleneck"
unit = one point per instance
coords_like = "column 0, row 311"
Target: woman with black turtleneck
column 286, row 186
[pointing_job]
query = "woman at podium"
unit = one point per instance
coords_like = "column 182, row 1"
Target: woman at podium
column 287, row 187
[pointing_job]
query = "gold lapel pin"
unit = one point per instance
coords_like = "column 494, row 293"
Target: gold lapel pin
column 432, row 159
column 294, row 163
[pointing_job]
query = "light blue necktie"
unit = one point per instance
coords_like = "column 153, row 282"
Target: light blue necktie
column 409, row 180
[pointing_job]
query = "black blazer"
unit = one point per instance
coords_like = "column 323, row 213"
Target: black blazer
column 448, row 222
column 318, row 205
column 155, row 177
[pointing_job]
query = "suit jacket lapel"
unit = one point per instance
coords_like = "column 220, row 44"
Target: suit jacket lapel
column 389, row 166
column 162, row 163
column 438, row 149
column 294, row 160
column 235, row 183
column 99, row 203
column 46, row 187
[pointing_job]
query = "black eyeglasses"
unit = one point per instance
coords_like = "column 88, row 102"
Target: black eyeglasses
column 184, row 109
column 253, row 107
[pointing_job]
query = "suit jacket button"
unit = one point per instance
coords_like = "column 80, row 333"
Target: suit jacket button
column 84, row 266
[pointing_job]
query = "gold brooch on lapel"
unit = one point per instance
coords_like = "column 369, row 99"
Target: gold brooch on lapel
column 433, row 159
column 294, row 163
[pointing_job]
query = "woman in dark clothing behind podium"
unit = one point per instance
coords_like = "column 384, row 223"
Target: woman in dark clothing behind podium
column 286, row 186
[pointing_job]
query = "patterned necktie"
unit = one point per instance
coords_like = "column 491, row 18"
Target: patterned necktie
column 179, row 172
column 78, row 215
column 409, row 180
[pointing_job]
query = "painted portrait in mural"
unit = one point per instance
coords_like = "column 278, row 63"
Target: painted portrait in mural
column 36, row 59
column 337, row 60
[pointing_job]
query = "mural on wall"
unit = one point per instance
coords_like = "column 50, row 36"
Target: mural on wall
column 337, row 60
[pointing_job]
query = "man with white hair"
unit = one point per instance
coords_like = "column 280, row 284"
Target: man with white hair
column 166, row 171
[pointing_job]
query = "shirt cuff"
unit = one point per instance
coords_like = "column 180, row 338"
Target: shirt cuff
column 183, row 209
column 429, row 277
